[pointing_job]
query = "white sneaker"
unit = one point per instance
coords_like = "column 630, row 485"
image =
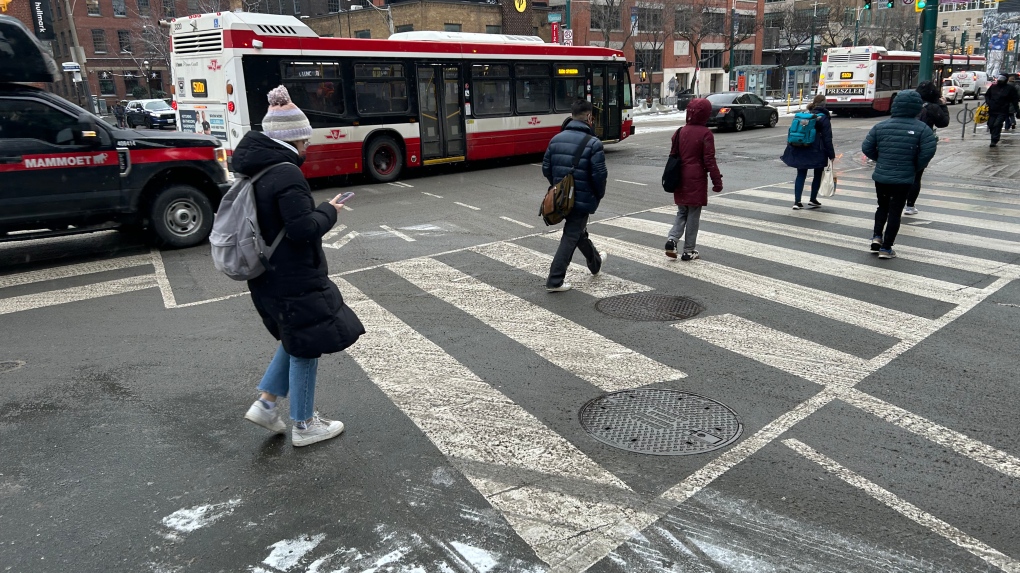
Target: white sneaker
column 562, row 288
column 908, row 210
column 318, row 429
column 268, row 419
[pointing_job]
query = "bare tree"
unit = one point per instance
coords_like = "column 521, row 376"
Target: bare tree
column 794, row 31
column 697, row 20
column 838, row 22
column 607, row 18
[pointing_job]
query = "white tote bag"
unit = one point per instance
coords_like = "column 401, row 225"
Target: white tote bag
column 828, row 186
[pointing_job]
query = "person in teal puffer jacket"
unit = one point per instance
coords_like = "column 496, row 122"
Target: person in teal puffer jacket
column 901, row 146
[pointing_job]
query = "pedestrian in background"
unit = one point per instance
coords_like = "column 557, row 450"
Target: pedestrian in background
column 1014, row 108
column 815, row 156
column 298, row 303
column 999, row 97
column 900, row 146
column 694, row 145
column 934, row 114
column 119, row 111
column 589, row 188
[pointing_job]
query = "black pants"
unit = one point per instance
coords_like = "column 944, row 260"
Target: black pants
column 995, row 122
column 575, row 236
column 912, row 198
column 1010, row 121
column 891, row 198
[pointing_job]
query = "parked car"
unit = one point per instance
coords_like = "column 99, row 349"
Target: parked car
column 151, row 113
column 973, row 83
column 684, row 97
column 66, row 171
column 952, row 91
column 737, row 110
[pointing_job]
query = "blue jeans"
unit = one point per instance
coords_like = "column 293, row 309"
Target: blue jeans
column 288, row 374
column 798, row 184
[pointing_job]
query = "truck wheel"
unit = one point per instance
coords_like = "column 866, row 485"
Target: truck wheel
column 181, row 216
column 384, row 159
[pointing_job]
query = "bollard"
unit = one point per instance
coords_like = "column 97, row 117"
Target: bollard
column 963, row 128
column 788, row 98
column 800, row 97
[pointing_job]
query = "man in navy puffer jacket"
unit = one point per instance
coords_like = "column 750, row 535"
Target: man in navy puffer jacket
column 589, row 188
column 901, row 146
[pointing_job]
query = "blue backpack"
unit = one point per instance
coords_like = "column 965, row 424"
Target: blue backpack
column 803, row 129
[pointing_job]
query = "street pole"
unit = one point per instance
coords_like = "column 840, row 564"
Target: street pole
column 733, row 25
column 857, row 25
column 927, row 67
column 566, row 16
column 814, row 14
column 148, row 73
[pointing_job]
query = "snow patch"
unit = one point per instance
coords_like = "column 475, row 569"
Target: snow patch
column 441, row 476
column 288, row 552
column 193, row 518
column 478, row 558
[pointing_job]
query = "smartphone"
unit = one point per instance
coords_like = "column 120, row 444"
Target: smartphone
column 343, row 197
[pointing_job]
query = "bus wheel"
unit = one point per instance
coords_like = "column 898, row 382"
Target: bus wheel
column 383, row 159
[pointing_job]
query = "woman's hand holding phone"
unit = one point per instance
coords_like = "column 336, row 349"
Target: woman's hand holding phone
column 338, row 201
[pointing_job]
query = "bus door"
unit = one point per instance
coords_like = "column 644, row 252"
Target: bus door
column 441, row 116
column 606, row 97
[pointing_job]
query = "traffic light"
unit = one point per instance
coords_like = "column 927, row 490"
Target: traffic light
column 890, row 4
column 644, row 74
column 963, row 38
column 1010, row 45
column 867, row 4
column 919, row 5
column 970, row 50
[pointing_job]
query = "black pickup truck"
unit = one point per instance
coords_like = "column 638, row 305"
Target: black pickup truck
column 64, row 170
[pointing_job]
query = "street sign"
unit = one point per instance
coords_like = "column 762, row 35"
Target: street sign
column 555, row 29
column 568, row 36
column 954, row 28
column 71, row 66
column 555, row 17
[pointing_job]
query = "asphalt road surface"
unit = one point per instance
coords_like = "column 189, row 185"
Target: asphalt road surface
column 866, row 409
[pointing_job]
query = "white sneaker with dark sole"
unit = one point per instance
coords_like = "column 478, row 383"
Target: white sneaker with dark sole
column 562, row 288
column 908, row 210
column 317, row 430
column 268, row 419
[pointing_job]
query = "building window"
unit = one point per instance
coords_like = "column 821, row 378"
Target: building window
column 333, row 6
column 605, row 17
column 533, row 88
column 143, row 8
column 93, row 7
column 297, row 7
column 380, row 88
column 945, row 23
column 745, row 24
column 492, row 89
column 650, row 60
column 404, row 28
column 124, row 40
column 363, row 34
column 493, row 29
column 451, row 27
column 713, row 22
column 99, row 41
column 60, row 11
column 195, row 7
column 107, row 87
column 711, row 58
column 119, row 8
column 743, row 57
column 649, row 19
column 169, row 10
column 682, row 19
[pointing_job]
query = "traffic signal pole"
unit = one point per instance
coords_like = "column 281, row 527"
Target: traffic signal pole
column 930, row 21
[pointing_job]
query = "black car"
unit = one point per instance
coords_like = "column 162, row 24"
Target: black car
column 684, row 97
column 65, row 171
column 737, row 110
column 150, row 113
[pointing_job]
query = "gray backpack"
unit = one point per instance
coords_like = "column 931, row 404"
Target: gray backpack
column 238, row 249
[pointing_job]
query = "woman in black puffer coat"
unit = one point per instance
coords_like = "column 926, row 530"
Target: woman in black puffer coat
column 934, row 113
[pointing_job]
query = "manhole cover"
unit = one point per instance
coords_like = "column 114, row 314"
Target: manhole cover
column 660, row 422
column 8, row 365
column 642, row 306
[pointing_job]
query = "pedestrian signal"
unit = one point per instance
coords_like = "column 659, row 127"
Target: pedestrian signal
column 867, row 4
column 919, row 5
column 890, row 4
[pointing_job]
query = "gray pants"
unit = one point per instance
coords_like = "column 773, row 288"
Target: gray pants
column 689, row 217
column 575, row 237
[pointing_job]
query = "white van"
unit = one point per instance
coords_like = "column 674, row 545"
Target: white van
column 973, row 83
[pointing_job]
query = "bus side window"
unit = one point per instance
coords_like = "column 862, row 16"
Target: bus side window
column 533, row 88
column 491, row 89
column 316, row 89
column 380, row 88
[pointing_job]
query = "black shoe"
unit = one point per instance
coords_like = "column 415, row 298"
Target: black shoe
column 798, row 206
column 690, row 256
column 876, row 243
column 993, row 144
column 671, row 248
column 813, row 204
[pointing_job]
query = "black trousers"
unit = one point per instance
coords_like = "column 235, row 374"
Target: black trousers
column 912, row 198
column 575, row 236
column 891, row 199
column 995, row 122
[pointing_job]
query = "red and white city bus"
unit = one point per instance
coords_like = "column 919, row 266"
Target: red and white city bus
column 867, row 78
column 379, row 106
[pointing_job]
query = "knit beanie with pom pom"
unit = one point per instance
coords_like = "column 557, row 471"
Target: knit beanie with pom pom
column 284, row 121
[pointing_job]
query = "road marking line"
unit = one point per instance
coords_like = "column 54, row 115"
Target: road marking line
column 549, row 491
column 602, row 362
column 468, row 206
column 74, row 294
column 869, row 275
column 517, row 222
column 75, row 270
column 907, row 509
column 333, row 232
column 535, row 164
column 860, row 175
column 396, row 232
column 343, row 240
column 601, row 285
column 949, row 438
column 431, row 194
column 401, row 184
column 936, row 192
column 844, row 309
column 867, row 223
column 927, row 201
column 207, row 301
column 631, row 182
column 161, row 279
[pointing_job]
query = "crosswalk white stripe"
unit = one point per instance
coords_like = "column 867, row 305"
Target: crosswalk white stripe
column 834, row 201
column 924, row 200
column 926, row 191
column 530, row 261
column 938, row 258
column 396, row 233
column 907, row 509
column 74, row 270
column 895, row 280
column 336, row 230
column 588, row 355
column 809, row 360
column 477, row 427
column 865, row 176
column 837, row 307
column 866, row 224
column 74, row 294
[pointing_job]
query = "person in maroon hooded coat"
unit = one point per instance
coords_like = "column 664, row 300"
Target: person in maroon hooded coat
column 694, row 145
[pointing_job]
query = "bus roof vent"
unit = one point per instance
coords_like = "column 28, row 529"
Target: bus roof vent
column 466, row 37
column 199, row 42
column 276, row 30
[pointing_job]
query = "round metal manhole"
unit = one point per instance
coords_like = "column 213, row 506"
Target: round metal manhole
column 644, row 306
column 660, row 422
column 8, row 365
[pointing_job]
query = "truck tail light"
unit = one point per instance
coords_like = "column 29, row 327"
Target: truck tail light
column 230, row 106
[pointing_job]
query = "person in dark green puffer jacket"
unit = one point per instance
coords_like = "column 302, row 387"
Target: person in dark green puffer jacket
column 901, row 146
